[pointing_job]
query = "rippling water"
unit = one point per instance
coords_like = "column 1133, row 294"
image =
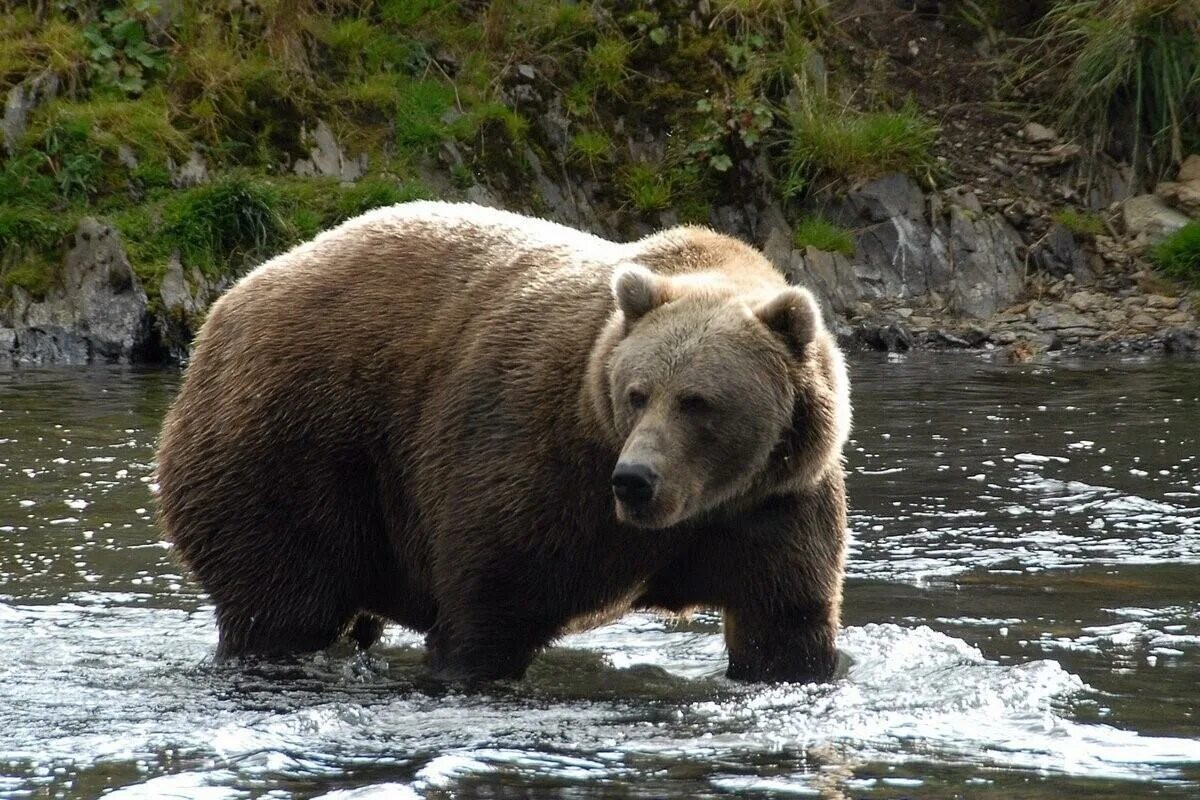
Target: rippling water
column 1022, row 620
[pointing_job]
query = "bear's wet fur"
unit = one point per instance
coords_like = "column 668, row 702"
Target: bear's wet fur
column 423, row 416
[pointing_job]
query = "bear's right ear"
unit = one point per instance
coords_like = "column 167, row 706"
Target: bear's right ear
column 638, row 291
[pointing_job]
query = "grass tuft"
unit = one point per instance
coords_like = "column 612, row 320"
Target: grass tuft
column 841, row 143
column 647, row 187
column 221, row 225
column 1080, row 223
column 824, row 235
column 1131, row 80
column 1179, row 255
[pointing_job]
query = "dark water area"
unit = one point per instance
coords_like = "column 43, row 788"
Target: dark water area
column 1022, row 620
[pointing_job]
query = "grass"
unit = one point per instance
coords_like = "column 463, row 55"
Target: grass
column 1080, row 223
column 1127, row 74
column 607, row 65
column 647, row 187
column 224, row 223
column 30, row 240
column 1178, row 256
column 592, row 146
column 824, row 235
column 845, row 144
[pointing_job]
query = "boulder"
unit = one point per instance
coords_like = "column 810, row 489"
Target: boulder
column 1059, row 255
column 99, row 313
column 1189, row 170
column 1148, row 217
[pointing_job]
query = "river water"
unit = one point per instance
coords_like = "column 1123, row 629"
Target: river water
column 1022, row 620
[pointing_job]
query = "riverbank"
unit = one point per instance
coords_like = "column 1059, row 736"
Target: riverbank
column 886, row 157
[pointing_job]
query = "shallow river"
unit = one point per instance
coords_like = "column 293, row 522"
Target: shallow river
column 1022, row 620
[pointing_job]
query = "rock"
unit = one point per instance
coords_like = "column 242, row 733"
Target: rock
column 1148, row 216
column 326, row 156
column 949, row 247
column 1087, row 301
column 99, row 312
column 1035, row 133
column 8, row 342
column 950, row 339
column 1177, row 318
column 527, row 71
column 22, row 99
column 1161, row 301
column 1059, row 154
column 1061, row 317
column 192, row 172
column 126, row 156
column 1181, row 341
column 174, row 288
column 1189, row 170
column 1059, row 254
column 1183, row 196
column 891, row 337
column 1143, row 322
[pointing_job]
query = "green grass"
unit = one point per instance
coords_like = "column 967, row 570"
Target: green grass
column 606, row 65
column 1080, row 223
column 824, row 235
column 421, row 109
column 592, row 146
column 223, row 224
column 30, row 241
column 1179, row 255
column 647, row 187
column 1126, row 73
column 841, row 143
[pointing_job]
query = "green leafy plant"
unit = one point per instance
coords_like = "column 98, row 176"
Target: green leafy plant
column 1179, row 255
column 824, row 235
column 120, row 54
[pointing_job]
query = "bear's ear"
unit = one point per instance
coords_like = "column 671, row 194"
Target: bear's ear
column 638, row 291
column 793, row 315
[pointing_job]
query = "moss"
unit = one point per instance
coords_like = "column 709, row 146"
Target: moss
column 1080, row 223
column 824, row 235
column 1178, row 256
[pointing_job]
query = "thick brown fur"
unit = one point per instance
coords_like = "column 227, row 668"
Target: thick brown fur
column 416, row 416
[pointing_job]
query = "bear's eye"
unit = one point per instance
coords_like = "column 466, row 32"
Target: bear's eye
column 637, row 398
column 693, row 404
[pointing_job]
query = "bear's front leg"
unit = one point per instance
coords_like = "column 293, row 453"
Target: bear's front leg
column 793, row 642
column 473, row 651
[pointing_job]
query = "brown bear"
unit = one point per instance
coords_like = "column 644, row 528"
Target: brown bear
column 494, row 429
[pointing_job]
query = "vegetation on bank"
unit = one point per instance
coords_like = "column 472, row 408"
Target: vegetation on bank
column 438, row 93
column 1179, row 255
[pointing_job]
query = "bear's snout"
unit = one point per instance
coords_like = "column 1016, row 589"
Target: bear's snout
column 634, row 484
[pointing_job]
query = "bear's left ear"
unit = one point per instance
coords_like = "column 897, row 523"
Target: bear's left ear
column 638, row 291
column 792, row 315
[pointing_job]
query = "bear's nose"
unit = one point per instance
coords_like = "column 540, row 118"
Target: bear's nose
column 634, row 483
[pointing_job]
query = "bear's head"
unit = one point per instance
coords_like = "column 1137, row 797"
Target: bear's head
column 715, row 392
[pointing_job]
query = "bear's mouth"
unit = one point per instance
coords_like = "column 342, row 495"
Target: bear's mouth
column 650, row 516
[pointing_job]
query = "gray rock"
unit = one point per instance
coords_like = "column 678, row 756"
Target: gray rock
column 1148, row 216
column 99, row 312
column 1059, row 255
column 174, row 289
column 891, row 337
column 22, row 99
column 192, row 172
column 8, row 341
column 986, row 272
column 326, row 157
column 1182, row 342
